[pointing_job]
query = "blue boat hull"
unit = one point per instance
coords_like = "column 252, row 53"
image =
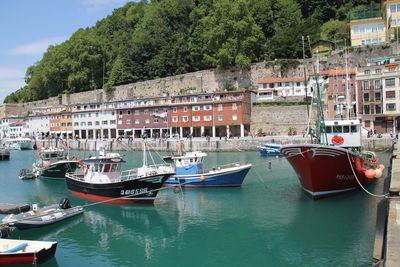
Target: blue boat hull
column 219, row 178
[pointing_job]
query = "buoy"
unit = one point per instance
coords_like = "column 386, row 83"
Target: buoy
column 202, row 177
column 370, row 173
column 381, row 167
column 277, row 156
column 378, row 173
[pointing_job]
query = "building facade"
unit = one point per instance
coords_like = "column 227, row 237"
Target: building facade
column 279, row 88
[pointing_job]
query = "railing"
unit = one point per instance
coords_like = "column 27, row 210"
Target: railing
column 229, row 165
column 147, row 170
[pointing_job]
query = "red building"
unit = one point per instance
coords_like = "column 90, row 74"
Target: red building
column 217, row 114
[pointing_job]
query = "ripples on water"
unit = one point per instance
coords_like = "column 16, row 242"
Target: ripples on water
column 267, row 222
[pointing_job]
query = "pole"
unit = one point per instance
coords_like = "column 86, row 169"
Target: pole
column 347, row 81
column 305, row 81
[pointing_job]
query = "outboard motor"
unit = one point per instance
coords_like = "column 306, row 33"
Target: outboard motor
column 64, row 204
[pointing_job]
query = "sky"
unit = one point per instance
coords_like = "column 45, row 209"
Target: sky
column 29, row 27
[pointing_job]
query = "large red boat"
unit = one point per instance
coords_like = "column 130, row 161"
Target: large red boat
column 337, row 166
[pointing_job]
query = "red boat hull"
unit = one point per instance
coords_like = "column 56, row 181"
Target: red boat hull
column 326, row 170
column 29, row 257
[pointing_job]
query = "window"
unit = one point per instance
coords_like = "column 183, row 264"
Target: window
column 234, row 106
column 90, row 123
column 377, row 84
column 328, row 129
column 83, row 123
column 378, row 71
column 185, row 118
column 220, row 107
column 175, row 119
column 234, row 117
column 377, row 96
column 207, row 107
column 366, row 109
column 196, row 108
column 184, row 99
column 105, row 122
column 378, row 109
column 220, row 118
column 208, row 118
column 391, row 107
column 366, row 97
column 366, row 85
column 113, row 121
column 185, row 109
column 128, row 121
column 174, row 110
column 146, row 111
column 165, row 110
column 137, row 121
column 76, row 123
column 346, row 129
column 196, row 118
column 390, row 82
column 367, row 72
column 129, row 112
column 147, row 121
column 390, row 94
column 137, row 112
column 97, row 123
column 155, row 119
column 337, row 128
column 120, row 112
column 165, row 119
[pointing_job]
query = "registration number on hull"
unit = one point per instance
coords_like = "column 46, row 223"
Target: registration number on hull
column 137, row 191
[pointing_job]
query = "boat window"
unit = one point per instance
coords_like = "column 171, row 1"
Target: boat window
column 107, row 167
column 114, row 167
column 346, row 129
column 100, row 167
column 328, row 129
column 353, row 128
column 96, row 167
column 337, row 129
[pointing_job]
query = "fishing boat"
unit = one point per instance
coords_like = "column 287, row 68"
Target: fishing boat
column 335, row 165
column 190, row 173
column 19, row 143
column 270, row 149
column 13, row 251
column 334, row 162
column 101, row 179
column 54, row 163
column 4, row 153
column 38, row 217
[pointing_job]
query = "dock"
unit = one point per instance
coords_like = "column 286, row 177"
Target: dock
column 387, row 237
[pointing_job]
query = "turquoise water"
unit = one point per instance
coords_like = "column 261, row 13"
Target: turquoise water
column 269, row 221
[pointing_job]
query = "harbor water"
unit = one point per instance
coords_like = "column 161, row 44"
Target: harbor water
column 269, row 221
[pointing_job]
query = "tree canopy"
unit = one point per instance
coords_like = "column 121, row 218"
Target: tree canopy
column 152, row 39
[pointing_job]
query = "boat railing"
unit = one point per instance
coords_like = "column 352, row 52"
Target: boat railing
column 219, row 167
column 146, row 171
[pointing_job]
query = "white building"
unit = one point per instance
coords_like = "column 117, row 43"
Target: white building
column 275, row 88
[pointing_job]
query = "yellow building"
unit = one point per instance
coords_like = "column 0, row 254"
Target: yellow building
column 367, row 31
column 391, row 9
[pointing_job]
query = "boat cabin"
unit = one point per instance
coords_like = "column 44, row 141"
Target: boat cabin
column 52, row 154
column 103, row 168
column 189, row 163
column 344, row 133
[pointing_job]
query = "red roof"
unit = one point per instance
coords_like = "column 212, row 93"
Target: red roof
column 281, row 79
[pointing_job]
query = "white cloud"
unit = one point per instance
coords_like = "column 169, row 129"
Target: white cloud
column 36, row 47
column 99, row 3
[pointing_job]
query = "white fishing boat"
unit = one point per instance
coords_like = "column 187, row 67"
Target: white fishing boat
column 19, row 143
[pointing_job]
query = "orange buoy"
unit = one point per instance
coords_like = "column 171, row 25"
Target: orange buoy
column 370, row 173
column 378, row 173
column 277, row 156
column 202, row 177
column 381, row 167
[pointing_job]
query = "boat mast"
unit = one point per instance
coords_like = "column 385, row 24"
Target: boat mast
column 347, row 82
column 306, row 87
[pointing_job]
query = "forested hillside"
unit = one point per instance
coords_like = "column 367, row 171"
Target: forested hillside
column 152, row 39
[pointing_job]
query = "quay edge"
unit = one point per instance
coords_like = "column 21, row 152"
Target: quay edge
column 203, row 144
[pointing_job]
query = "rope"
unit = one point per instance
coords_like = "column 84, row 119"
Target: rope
column 359, row 183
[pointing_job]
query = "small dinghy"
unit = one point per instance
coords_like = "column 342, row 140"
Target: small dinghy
column 13, row 251
column 7, row 208
column 43, row 216
column 26, row 174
